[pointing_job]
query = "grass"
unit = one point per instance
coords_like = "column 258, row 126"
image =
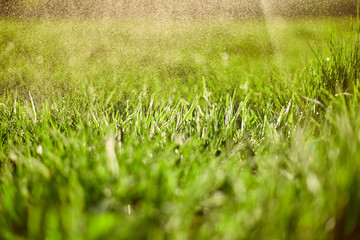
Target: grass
column 181, row 130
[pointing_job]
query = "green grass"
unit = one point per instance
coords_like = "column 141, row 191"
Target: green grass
column 180, row 130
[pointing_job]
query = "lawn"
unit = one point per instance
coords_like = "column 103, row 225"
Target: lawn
column 183, row 129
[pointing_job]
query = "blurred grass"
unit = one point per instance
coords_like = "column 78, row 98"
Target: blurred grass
column 179, row 130
column 171, row 59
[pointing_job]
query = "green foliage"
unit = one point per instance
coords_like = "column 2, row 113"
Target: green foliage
column 241, row 149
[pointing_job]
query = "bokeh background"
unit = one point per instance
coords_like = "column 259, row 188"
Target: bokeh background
column 174, row 8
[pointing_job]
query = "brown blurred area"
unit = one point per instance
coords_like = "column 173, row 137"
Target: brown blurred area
column 175, row 8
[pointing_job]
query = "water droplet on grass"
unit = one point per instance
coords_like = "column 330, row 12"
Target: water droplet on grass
column 313, row 183
column 39, row 150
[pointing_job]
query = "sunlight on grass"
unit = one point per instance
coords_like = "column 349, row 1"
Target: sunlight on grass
column 179, row 130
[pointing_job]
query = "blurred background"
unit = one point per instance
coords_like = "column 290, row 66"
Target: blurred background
column 175, row 8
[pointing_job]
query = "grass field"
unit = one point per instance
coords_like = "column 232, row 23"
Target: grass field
column 186, row 129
